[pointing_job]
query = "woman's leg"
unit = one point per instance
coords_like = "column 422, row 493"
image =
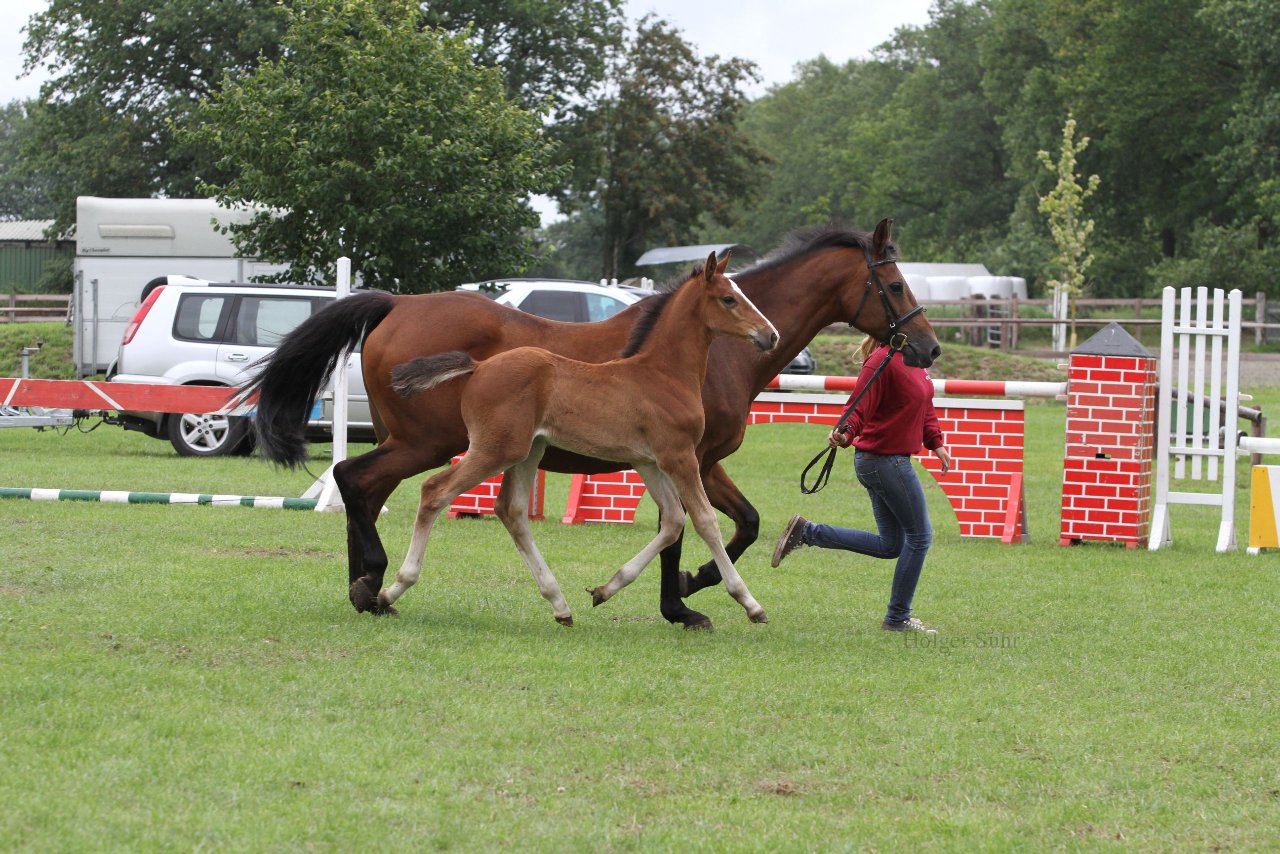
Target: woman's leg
column 902, row 520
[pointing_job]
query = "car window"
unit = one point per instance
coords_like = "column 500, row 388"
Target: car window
column 263, row 321
column 197, row 317
column 554, row 305
column 603, row 306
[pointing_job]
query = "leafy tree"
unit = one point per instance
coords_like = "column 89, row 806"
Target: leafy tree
column 658, row 149
column 550, row 52
column 1063, row 206
column 377, row 140
column 125, row 73
column 22, row 194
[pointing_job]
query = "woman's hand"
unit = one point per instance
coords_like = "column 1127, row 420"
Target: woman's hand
column 944, row 457
column 839, row 439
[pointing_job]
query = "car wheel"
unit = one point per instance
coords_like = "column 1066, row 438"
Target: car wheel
column 208, row 435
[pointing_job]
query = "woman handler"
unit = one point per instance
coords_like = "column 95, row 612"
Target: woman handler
column 893, row 419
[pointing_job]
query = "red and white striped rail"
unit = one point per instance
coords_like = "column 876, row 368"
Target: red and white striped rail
column 972, row 388
column 131, row 397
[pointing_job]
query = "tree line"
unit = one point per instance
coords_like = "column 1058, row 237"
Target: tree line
column 411, row 135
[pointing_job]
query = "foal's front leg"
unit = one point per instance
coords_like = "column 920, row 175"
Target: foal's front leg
column 684, row 472
column 670, row 524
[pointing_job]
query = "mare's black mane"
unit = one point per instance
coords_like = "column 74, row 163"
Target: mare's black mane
column 807, row 241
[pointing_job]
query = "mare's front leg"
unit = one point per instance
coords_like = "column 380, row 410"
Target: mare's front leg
column 512, row 507
column 683, row 470
column 725, row 497
column 670, row 525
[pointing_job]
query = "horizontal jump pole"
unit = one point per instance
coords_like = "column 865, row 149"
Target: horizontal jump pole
column 106, row 496
column 980, row 388
column 1257, row 445
column 133, row 397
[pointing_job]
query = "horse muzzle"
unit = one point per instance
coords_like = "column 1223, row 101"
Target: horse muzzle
column 765, row 339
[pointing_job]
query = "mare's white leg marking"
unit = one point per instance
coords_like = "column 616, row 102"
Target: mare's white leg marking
column 513, row 509
column 672, row 523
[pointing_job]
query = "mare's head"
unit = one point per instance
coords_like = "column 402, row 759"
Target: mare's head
column 882, row 305
column 726, row 309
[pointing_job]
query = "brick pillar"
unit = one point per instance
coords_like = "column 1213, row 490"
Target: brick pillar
column 1111, row 419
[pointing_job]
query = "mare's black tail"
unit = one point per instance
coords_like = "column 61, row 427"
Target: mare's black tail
column 289, row 380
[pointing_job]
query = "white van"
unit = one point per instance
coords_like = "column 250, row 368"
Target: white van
column 124, row 244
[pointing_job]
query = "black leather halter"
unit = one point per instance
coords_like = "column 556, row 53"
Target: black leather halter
column 896, row 339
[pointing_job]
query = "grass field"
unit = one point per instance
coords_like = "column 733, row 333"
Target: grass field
column 193, row 678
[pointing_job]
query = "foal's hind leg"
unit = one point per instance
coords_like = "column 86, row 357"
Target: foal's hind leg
column 512, row 508
column 671, row 523
column 437, row 493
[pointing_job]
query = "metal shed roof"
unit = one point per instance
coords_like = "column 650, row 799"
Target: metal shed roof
column 676, row 254
column 24, row 231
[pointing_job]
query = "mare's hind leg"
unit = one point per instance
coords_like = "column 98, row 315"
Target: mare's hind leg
column 437, row 493
column 725, row 497
column 683, row 470
column 512, row 508
column 670, row 524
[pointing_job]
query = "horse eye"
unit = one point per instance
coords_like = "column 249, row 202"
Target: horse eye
column 729, row 301
column 896, row 287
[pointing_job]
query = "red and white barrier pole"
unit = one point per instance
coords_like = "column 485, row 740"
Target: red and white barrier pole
column 973, row 388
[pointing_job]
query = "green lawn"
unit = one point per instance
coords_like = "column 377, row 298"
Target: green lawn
column 194, row 678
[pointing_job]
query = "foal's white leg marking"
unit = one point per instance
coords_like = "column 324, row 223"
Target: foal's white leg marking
column 664, row 494
column 437, row 493
column 513, row 509
column 704, row 522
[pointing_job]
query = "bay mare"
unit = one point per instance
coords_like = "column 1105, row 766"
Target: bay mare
column 814, row 280
column 644, row 410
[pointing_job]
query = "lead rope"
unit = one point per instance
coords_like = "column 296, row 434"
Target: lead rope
column 824, row 474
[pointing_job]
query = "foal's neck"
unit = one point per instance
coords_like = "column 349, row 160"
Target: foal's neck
column 680, row 340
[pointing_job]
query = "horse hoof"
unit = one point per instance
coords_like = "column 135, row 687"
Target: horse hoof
column 758, row 617
column 699, row 624
column 565, row 621
column 597, row 596
column 361, row 596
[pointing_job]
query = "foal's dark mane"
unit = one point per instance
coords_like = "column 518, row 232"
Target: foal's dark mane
column 650, row 310
column 807, row 241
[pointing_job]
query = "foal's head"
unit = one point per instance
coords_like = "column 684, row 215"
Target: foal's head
column 726, row 309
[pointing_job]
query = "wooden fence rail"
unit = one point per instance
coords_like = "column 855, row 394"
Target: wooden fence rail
column 34, row 308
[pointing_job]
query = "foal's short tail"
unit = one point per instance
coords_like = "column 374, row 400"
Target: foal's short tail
column 426, row 372
column 290, row 379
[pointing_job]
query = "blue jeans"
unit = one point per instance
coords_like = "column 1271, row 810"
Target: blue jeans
column 897, row 501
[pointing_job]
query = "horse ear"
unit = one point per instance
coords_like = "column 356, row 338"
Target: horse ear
column 883, row 237
column 709, row 269
column 724, row 262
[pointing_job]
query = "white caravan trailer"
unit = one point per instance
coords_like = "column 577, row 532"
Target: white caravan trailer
column 123, row 244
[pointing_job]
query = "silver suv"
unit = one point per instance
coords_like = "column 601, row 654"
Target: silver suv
column 192, row 332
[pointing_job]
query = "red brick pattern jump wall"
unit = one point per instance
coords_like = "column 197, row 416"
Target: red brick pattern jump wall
column 609, row 497
column 480, row 501
column 1110, row 442
column 985, row 438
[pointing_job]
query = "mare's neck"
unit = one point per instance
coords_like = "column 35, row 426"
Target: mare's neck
column 800, row 298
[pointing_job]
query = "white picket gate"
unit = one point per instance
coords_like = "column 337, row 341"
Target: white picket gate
column 1208, row 379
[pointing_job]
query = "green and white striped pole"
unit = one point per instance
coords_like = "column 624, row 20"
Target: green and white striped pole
column 107, row 496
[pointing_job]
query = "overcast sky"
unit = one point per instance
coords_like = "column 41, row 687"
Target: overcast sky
column 775, row 34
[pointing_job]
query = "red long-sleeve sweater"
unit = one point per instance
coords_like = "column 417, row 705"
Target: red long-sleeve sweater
column 896, row 416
